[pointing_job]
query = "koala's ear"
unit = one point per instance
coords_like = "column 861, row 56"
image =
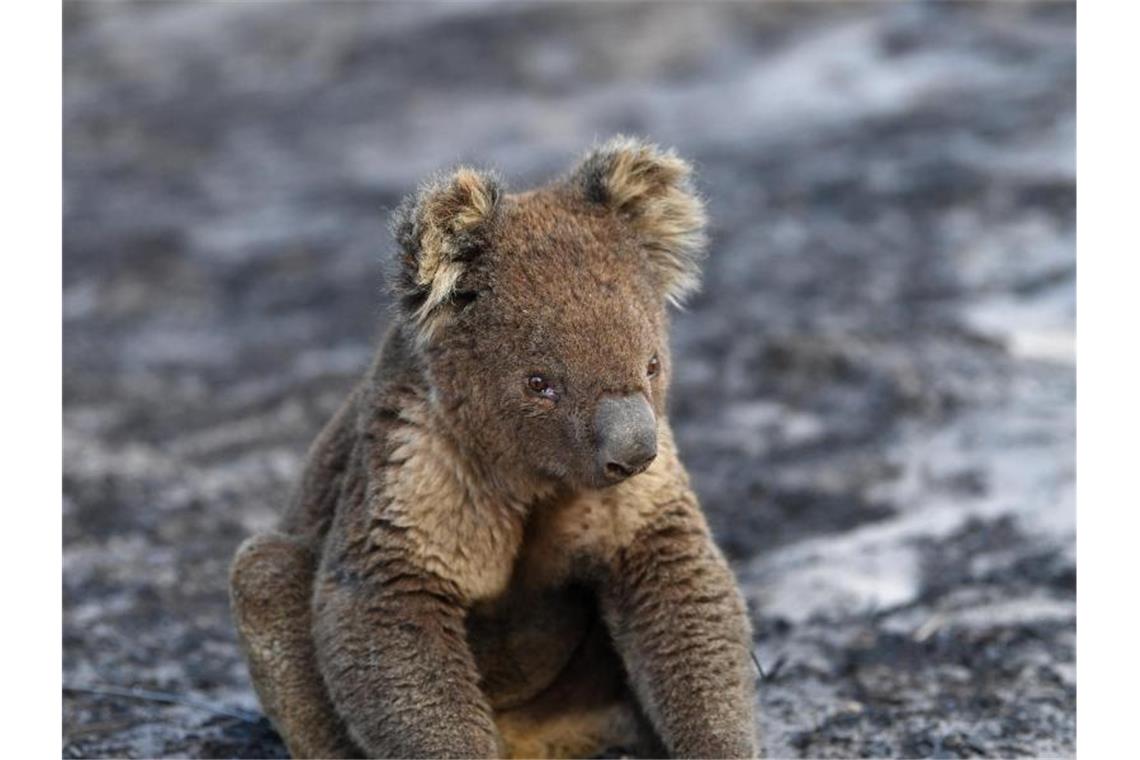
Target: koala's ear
column 440, row 230
column 652, row 189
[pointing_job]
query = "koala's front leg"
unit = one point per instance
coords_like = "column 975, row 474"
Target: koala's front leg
column 394, row 653
column 681, row 627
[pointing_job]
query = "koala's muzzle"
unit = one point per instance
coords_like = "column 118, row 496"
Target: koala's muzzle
column 627, row 436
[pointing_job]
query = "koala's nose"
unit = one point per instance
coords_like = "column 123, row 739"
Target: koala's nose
column 627, row 436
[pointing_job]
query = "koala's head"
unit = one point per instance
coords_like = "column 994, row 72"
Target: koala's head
column 541, row 316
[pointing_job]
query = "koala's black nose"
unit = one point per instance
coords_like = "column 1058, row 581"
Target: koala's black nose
column 627, row 436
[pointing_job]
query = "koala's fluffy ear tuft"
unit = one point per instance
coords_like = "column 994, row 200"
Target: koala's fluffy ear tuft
column 440, row 230
column 653, row 189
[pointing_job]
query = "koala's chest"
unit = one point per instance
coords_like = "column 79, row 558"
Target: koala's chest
column 525, row 637
column 569, row 540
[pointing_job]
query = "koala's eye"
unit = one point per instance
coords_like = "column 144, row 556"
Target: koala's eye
column 464, row 298
column 540, row 385
column 654, row 367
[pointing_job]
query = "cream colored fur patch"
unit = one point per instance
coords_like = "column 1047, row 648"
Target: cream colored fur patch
column 456, row 529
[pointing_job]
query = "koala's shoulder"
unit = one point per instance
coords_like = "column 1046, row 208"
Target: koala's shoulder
column 431, row 506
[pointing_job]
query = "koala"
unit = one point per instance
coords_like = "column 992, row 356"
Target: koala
column 495, row 550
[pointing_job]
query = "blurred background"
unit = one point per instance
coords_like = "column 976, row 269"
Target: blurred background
column 874, row 392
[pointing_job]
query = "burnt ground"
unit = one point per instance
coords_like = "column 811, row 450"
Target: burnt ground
column 874, row 392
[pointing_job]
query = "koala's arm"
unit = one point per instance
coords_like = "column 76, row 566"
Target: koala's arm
column 391, row 642
column 681, row 627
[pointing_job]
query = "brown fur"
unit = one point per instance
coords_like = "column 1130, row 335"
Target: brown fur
column 454, row 580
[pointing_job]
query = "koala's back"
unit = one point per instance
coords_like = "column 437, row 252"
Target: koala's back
column 334, row 477
column 313, row 506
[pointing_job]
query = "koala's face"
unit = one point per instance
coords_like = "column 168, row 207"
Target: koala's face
column 547, row 341
column 560, row 345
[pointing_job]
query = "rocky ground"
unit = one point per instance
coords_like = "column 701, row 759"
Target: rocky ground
column 874, row 393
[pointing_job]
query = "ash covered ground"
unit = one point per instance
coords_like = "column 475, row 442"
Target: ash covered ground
column 874, row 392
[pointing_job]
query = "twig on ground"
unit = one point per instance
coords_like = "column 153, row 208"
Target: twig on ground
column 777, row 666
column 759, row 669
column 769, row 675
column 101, row 727
column 147, row 695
